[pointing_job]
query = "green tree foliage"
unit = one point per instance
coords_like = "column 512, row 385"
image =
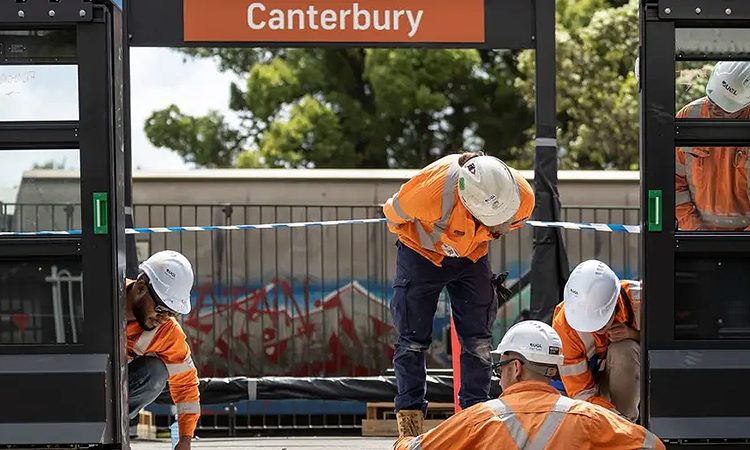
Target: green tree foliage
column 376, row 108
column 597, row 99
column 352, row 108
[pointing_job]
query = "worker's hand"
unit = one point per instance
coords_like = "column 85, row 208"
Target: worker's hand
column 184, row 443
column 619, row 332
column 503, row 293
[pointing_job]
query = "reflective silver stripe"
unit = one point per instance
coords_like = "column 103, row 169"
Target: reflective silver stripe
column 679, row 169
column 144, row 341
column 570, row 370
column 588, row 343
column 545, row 142
column 693, row 112
column 551, row 424
column 416, row 444
column 649, row 442
column 400, row 212
column 724, row 221
column 511, row 422
column 424, row 238
column 175, row 369
column 447, row 202
column 694, row 109
column 431, row 240
column 634, row 288
column 188, row 408
column 689, row 172
column 682, row 197
column 587, row 394
column 497, row 406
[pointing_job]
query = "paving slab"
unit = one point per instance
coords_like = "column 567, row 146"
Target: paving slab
column 277, row 443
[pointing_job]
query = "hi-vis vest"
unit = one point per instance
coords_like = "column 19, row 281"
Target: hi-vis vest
column 711, row 183
column 429, row 218
column 579, row 347
column 531, row 415
column 168, row 343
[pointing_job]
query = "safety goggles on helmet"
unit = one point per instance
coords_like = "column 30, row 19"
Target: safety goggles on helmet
column 160, row 307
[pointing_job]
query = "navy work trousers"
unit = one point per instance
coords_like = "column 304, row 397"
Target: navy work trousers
column 417, row 287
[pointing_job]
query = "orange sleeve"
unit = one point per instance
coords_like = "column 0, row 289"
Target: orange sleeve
column 419, row 199
column 686, row 212
column 575, row 372
column 183, row 377
column 610, row 430
column 526, row 209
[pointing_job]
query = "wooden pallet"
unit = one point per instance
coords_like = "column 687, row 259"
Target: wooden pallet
column 146, row 426
column 381, row 420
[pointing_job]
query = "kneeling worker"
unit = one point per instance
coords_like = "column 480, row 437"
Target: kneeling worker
column 598, row 322
column 157, row 346
column 530, row 413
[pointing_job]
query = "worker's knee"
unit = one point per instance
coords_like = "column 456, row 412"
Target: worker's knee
column 407, row 344
column 478, row 347
column 624, row 353
column 156, row 374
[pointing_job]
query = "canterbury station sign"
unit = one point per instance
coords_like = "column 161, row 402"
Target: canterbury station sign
column 334, row 21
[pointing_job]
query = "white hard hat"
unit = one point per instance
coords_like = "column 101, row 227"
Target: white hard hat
column 536, row 341
column 591, row 296
column 729, row 85
column 171, row 277
column 488, row 190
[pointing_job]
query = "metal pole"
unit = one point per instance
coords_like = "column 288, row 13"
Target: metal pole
column 131, row 257
column 549, row 263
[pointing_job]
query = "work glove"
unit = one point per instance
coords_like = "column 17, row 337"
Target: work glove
column 503, row 293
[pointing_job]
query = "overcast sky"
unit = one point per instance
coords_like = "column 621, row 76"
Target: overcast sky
column 159, row 77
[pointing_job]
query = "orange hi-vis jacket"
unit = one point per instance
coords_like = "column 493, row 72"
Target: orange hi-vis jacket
column 428, row 216
column 533, row 415
column 579, row 347
column 169, row 343
column 711, row 183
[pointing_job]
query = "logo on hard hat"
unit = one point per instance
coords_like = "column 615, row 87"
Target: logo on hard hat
column 169, row 272
column 472, row 168
column 728, row 87
column 573, row 291
column 554, row 350
column 535, row 346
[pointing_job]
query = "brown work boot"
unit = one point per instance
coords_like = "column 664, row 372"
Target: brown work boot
column 410, row 422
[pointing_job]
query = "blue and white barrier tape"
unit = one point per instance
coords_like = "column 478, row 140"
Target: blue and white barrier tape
column 606, row 227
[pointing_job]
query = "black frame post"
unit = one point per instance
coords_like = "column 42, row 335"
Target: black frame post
column 549, row 263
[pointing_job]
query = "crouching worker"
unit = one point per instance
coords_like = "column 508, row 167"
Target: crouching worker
column 598, row 322
column 530, row 414
column 157, row 346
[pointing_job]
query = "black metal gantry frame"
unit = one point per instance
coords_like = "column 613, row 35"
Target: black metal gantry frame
column 694, row 391
column 72, row 393
column 509, row 24
column 103, row 61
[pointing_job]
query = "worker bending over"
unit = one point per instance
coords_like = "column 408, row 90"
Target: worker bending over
column 598, row 322
column 157, row 346
column 711, row 183
column 444, row 218
column 530, row 414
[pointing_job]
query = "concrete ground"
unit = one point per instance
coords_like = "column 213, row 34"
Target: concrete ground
column 277, row 443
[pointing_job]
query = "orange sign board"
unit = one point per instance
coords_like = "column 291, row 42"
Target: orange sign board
column 391, row 21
